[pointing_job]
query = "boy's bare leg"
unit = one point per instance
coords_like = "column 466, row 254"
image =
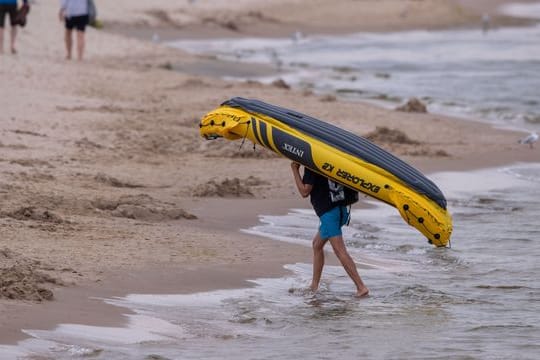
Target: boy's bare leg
column 348, row 264
column 318, row 261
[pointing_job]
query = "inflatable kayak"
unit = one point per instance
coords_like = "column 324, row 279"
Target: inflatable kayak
column 339, row 155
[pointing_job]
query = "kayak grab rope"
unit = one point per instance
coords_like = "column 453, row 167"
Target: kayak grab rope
column 245, row 136
column 211, row 136
column 212, row 123
column 222, row 124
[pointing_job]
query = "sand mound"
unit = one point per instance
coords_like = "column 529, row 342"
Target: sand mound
column 30, row 133
column 228, row 188
column 31, row 163
column 427, row 152
column 22, row 282
column 141, row 207
column 383, row 134
column 150, row 214
column 194, row 83
column 13, row 146
column 21, row 279
column 105, row 204
column 282, row 84
column 139, row 199
column 34, row 176
column 397, row 141
column 87, row 144
column 257, row 153
column 111, row 181
column 235, row 150
column 328, row 98
column 32, row 213
column 413, row 105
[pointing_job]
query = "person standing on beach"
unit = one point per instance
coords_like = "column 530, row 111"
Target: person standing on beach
column 9, row 7
column 329, row 202
column 75, row 15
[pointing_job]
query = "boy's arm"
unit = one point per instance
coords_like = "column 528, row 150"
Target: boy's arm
column 303, row 189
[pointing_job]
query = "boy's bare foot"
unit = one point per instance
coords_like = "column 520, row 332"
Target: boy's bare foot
column 362, row 293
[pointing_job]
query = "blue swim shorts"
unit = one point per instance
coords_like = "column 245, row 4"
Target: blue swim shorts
column 332, row 221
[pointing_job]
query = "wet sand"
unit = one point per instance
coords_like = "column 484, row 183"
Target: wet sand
column 106, row 187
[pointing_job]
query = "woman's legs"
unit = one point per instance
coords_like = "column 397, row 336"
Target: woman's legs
column 1, row 40
column 13, row 37
column 80, row 44
column 69, row 43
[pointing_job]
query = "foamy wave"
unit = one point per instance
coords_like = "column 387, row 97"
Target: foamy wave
column 527, row 172
column 523, row 10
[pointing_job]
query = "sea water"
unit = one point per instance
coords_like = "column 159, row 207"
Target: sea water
column 488, row 74
column 478, row 299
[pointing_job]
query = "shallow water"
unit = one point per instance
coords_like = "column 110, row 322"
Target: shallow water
column 477, row 300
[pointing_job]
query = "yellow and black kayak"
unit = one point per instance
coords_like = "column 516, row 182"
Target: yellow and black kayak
column 339, row 155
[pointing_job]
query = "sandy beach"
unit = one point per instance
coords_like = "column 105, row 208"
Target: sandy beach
column 106, row 187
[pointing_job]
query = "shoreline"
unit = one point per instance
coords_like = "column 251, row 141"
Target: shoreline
column 84, row 114
column 283, row 18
